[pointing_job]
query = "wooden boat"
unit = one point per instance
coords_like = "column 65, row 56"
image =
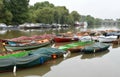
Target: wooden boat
column 34, row 58
column 75, row 47
column 4, row 53
column 34, row 37
column 64, row 39
column 96, row 47
column 22, row 46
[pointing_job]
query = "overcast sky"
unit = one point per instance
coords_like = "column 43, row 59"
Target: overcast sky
column 105, row 9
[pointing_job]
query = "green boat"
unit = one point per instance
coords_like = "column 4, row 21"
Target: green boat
column 16, row 54
column 76, row 46
column 96, row 47
column 4, row 53
column 13, row 46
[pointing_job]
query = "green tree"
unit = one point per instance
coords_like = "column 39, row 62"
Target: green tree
column 45, row 15
column 41, row 12
column 32, row 15
column 98, row 21
column 40, row 5
column 75, row 16
column 1, row 10
column 19, row 10
column 60, row 14
column 5, row 14
column 70, row 19
column 90, row 20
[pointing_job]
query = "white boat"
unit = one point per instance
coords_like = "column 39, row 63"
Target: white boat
column 85, row 38
column 107, row 38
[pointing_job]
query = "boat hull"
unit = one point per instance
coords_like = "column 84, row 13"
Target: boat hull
column 75, row 47
column 26, row 47
column 65, row 39
column 23, row 62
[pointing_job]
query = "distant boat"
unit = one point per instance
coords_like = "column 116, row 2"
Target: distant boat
column 85, row 24
column 81, row 24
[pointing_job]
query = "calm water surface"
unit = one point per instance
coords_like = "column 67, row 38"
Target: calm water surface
column 103, row 64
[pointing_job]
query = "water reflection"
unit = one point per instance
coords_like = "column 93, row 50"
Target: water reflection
column 7, row 34
column 29, row 32
column 3, row 31
column 32, row 76
column 115, row 45
column 100, row 27
column 94, row 55
column 34, row 71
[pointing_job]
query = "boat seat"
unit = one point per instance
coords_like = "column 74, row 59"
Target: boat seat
column 16, row 44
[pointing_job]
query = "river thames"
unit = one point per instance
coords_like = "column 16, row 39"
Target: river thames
column 103, row 64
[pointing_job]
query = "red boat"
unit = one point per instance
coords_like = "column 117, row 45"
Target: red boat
column 64, row 39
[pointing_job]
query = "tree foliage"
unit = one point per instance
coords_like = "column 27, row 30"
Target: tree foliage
column 19, row 11
column 45, row 15
column 60, row 14
column 76, row 16
column 40, row 5
column 1, row 11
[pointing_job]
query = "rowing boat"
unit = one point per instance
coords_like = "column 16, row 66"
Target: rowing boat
column 18, row 46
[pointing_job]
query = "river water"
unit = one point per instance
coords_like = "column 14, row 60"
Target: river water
column 103, row 64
